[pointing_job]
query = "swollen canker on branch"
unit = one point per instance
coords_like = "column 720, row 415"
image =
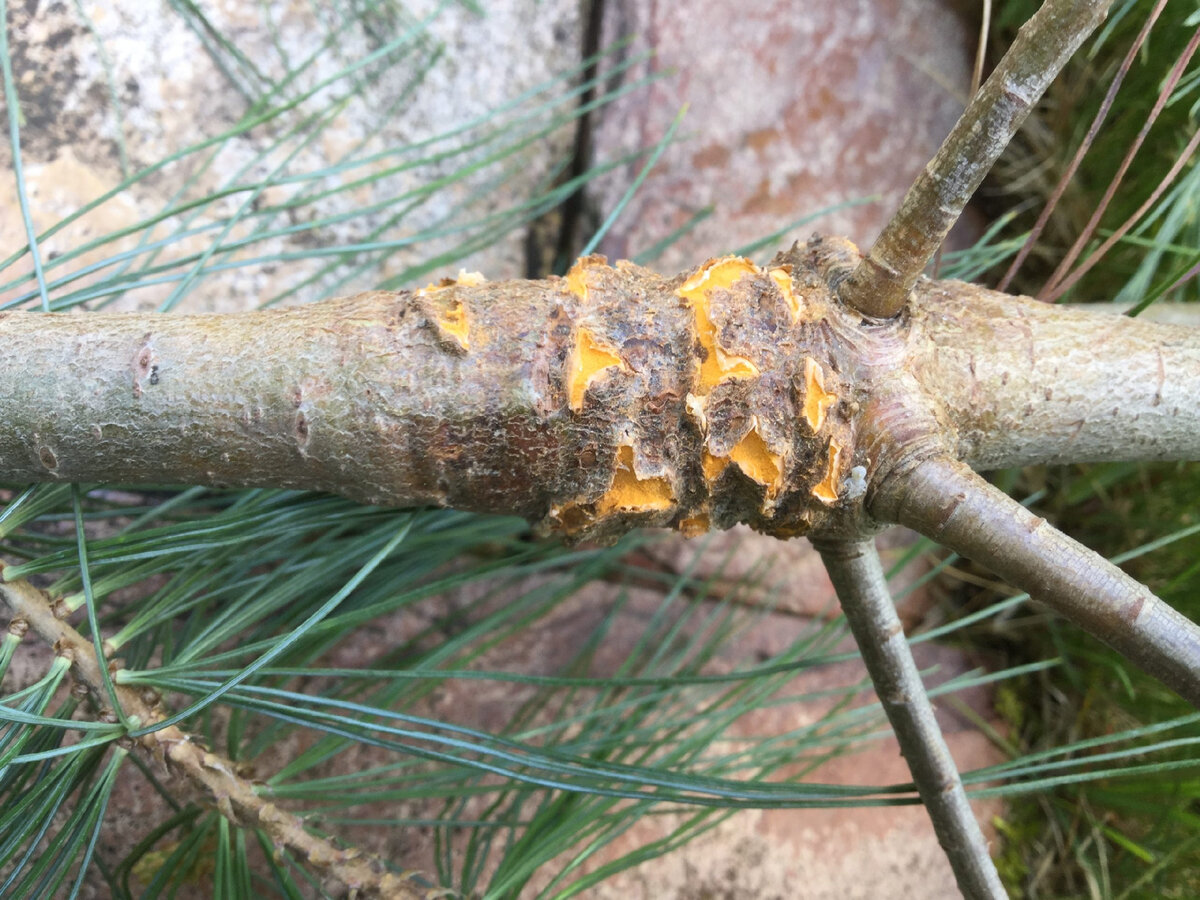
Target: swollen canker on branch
column 609, row 399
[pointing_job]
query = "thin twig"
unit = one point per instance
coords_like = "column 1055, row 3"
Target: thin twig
column 858, row 577
column 216, row 776
column 879, row 286
column 1093, row 130
column 946, row 501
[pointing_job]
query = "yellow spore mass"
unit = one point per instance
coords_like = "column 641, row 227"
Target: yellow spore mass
column 587, row 360
column 453, row 322
column 713, row 466
column 464, row 279
column 469, row 279
column 714, row 275
column 754, row 458
column 694, row 526
column 782, row 276
column 817, row 400
column 827, row 490
column 577, row 274
column 630, row 494
column 752, row 455
column 454, row 325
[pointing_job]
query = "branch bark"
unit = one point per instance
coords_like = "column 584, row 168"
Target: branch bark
column 215, row 776
column 1025, row 383
column 861, row 587
column 880, row 285
column 611, row 399
column 944, row 500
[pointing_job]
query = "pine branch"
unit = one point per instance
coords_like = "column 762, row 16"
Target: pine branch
column 946, row 501
column 861, row 587
column 611, row 399
column 1027, row 383
column 881, row 284
column 215, row 776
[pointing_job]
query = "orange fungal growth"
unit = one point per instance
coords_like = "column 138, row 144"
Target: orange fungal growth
column 752, row 455
column 469, row 279
column 630, row 494
column 694, row 526
column 464, row 279
column 713, row 466
column 716, row 274
column 817, row 400
column 827, row 490
column 782, row 276
column 588, row 359
column 755, row 458
column 453, row 324
column 577, row 274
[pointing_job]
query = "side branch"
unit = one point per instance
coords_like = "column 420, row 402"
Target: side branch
column 1028, row 383
column 945, row 500
column 214, row 775
column 857, row 576
column 879, row 286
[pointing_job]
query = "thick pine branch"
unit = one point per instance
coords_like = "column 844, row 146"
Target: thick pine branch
column 1026, row 383
column 881, row 283
column 214, row 776
column 610, row 399
column 617, row 398
column 857, row 576
column 946, row 501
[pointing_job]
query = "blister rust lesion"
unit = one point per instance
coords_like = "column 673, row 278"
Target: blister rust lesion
column 826, row 490
column 447, row 308
column 720, row 367
column 591, row 356
column 753, row 326
column 632, row 494
column 620, row 381
column 710, row 392
column 817, row 400
column 716, row 364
